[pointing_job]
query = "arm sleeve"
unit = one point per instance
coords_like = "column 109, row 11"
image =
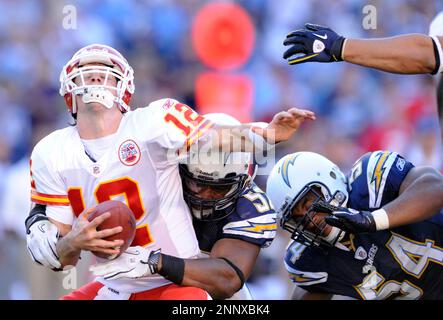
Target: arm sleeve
column 385, row 172
column 47, row 188
column 377, row 179
column 254, row 220
column 171, row 124
column 436, row 30
column 436, row 26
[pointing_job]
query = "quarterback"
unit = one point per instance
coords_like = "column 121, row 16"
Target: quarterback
column 232, row 219
column 132, row 156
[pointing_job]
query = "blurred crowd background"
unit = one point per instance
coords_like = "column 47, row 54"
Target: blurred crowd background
column 358, row 109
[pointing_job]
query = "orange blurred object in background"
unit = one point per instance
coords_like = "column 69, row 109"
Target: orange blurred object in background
column 227, row 93
column 223, row 37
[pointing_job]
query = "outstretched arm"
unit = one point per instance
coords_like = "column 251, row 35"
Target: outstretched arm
column 407, row 54
column 250, row 137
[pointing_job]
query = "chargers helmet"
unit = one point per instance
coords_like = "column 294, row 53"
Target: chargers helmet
column 227, row 173
column 292, row 178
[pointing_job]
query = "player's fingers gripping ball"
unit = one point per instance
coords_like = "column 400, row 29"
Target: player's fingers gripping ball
column 121, row 215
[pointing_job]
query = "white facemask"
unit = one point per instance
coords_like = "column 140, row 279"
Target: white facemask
column 98, row 94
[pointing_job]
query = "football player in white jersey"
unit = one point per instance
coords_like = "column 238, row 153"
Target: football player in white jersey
column 233, row 219
column 131, row 156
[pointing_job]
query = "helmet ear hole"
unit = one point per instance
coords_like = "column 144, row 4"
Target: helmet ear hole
column 68, row 100
column 127, row 97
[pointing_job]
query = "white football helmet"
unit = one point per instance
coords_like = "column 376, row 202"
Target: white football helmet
column 292, row 178
column 110, row 62
column 226, row 173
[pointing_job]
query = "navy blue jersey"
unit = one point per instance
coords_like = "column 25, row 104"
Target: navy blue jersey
column 404, row 262
column 253, row 220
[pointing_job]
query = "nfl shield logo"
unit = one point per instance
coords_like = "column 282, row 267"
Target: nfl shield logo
column 129, row 153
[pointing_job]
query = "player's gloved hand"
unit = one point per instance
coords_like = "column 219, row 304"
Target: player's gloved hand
column 347, row 219
column 315, row 43
column 133, row 263
column 41, row 240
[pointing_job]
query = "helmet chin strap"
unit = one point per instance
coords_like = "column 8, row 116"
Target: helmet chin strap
column 99, row 95
column 333, row 235
column 201, row 215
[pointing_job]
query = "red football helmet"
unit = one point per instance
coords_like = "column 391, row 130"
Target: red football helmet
column 108, row 62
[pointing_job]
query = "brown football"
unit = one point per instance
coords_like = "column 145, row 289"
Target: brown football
column 121, row 215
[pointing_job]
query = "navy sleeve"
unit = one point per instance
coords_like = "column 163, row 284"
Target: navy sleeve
column 254, row 220
column 376, row 178
column 397, row 173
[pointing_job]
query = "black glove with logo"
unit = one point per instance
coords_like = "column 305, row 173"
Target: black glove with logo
column 315, row 43
column 347, row 219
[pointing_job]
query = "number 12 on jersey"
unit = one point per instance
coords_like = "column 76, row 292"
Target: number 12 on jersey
column 184, row 118
column 110, row 189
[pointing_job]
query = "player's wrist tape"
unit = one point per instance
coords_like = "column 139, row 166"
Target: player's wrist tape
column 438, row 53
column 237, row 270
column 381, row 219
column 37, row 213
column 173, row 268
column 337, row 49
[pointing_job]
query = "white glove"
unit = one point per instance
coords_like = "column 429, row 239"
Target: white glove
column 41, row 243
column 133, row 263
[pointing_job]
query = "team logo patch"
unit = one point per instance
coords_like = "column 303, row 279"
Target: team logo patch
column 129, row 153
column 360, row 254
column 400, row 164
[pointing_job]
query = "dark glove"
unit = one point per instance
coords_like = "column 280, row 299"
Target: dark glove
column 316, row 43
column 347, row 219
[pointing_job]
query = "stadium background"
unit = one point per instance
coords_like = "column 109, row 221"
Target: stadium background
column 358, row 109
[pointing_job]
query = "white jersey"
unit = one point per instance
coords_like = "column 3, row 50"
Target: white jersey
column 436, row 26
column 140, row 169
